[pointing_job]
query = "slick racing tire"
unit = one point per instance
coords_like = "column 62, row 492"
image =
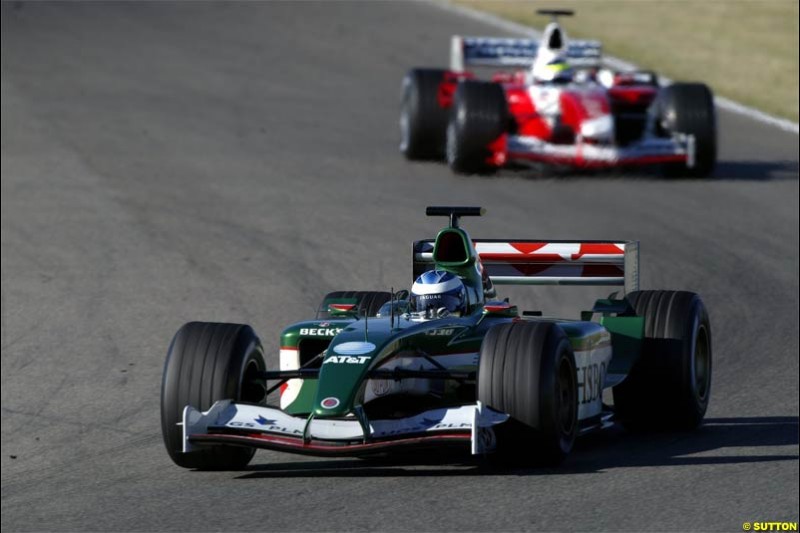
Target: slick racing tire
column 423, row 121
column 689, row 108
column 670, row 385
column 478, row 117
column 367, row 302
column 527, row 370
column 207, row 362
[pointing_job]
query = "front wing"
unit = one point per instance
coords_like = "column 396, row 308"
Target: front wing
column 266, row 427
column 648, row 151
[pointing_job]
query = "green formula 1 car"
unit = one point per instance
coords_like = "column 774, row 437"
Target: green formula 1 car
column 376, row 372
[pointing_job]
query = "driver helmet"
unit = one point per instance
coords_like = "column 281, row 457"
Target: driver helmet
column 437, row 289
column 556, row 70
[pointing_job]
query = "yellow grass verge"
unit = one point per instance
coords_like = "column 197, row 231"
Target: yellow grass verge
column 746, row 50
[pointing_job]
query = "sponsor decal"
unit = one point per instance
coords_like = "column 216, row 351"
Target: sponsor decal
column 441, row 332
column 435, row 423
column 590, row 382
column 264, row 421
column 346, row 359
column 330, row 403
column 265, row 425
column 354, row 348
column 450, row 425
column 322, row 331
column 324, row 324
column 425, row 426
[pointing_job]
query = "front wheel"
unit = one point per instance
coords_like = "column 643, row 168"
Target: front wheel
column 208, row 362
column 479, row 116
column 423, row 119
column 527, row 370
column 669, row 386
column 688, row 108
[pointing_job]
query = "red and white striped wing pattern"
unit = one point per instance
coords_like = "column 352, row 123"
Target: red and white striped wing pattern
column 513, row 261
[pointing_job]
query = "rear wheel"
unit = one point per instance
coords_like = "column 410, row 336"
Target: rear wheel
column 527, row 369
column 670, row 385
column 423, row 120
column 478, row 117
column 207, row 362
column 689, row 108
column 368, row 303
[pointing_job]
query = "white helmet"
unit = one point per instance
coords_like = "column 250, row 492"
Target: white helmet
column 555, row 70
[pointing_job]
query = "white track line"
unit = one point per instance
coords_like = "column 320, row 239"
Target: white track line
column 615, row 63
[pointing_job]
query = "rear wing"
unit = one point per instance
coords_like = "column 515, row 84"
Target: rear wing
column 509, row 52
column 536, row 262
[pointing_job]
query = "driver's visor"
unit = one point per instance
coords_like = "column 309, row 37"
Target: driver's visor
column 424, row 302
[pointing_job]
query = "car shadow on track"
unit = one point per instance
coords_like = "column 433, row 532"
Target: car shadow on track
column 756, row 170
column 711, row 444
column 718, row 441
column 725, row 171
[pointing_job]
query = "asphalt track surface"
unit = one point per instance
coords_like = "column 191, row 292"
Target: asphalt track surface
column 164, row 163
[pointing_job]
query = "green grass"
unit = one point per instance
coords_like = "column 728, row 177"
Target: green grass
column 746, row 50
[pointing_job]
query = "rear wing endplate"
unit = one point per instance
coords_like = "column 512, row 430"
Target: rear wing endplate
column 537, row 262
column 509, row 52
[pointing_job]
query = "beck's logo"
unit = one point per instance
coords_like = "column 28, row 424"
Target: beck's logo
column 320, row 332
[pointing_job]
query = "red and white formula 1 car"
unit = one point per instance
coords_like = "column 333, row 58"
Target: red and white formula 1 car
column 559, row 107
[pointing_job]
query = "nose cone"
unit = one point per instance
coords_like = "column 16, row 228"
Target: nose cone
column 340, row 377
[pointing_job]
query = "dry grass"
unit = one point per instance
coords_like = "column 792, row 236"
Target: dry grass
column 746, row 50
